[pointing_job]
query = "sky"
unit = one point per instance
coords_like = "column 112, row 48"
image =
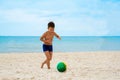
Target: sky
column 71, row 17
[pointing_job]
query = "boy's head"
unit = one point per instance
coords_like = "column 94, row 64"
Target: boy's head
column 51, row 26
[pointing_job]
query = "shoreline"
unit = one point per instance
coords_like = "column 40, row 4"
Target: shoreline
column 80, row 66
column 59, row 52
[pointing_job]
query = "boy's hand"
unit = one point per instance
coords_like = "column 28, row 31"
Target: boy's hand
column 46, row 41
column 59, row 38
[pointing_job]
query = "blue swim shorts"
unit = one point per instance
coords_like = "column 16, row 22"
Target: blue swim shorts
column 47, row 48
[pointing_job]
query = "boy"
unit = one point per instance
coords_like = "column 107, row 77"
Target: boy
column 47, row 39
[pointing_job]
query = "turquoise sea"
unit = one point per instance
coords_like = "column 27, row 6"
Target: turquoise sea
column 11, row 44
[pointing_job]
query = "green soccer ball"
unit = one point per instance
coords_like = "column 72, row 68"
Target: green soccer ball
column 61, row 67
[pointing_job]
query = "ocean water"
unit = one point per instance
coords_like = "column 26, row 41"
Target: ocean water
column 11, row 44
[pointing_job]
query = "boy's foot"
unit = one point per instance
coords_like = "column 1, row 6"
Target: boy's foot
column 48, row 67
column 42, row 65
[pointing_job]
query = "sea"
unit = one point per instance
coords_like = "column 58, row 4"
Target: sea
column 28, row 44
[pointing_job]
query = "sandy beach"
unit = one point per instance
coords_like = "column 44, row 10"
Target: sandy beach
column 80, row 66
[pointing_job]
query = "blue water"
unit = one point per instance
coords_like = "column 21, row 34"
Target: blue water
column 10, row 44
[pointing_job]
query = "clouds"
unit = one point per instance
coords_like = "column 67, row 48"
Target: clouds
column 17, row 15
column 112, row 17
column 76, row 18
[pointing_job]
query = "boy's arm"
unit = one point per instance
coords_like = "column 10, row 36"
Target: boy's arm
column 42, row 38
column 58, row 36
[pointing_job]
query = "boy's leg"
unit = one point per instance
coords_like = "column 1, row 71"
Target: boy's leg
column 47, row 59
column 43, row 64
column 51, row 54
column 48, row 55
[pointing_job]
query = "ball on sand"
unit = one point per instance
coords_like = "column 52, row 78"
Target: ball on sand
column 61, row 67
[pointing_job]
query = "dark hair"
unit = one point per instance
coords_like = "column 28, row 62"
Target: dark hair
column 51, row 24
